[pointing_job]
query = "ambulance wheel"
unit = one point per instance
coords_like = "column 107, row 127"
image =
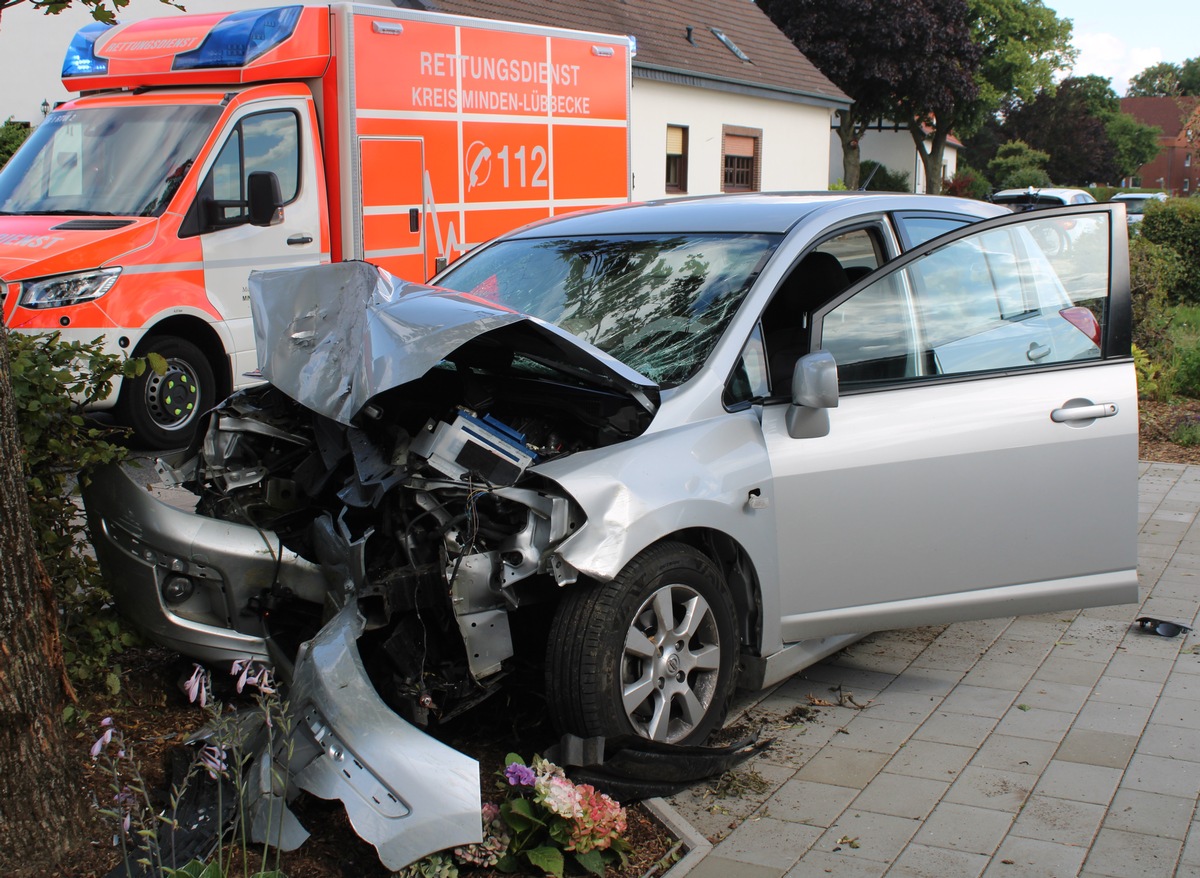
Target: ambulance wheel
column 164, row 410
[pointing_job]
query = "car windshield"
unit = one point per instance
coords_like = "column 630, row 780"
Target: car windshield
column 1133, row 204
column 105, row 161
column 658, row 303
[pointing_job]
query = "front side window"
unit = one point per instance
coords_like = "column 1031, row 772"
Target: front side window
column 823, row 273
column 262, row 142
column 658, row 303
column 1004, row 299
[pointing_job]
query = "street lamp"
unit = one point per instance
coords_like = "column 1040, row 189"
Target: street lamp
column 45, row 108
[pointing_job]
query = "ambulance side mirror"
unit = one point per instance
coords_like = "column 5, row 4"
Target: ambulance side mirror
column 263, row 199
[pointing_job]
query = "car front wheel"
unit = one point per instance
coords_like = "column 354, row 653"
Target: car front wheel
column 653, row 653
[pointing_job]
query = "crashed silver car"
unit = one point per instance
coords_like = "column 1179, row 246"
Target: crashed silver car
column 663, row 449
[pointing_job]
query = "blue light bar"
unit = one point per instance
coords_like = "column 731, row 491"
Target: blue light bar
column 241, row 37
column 81, row 57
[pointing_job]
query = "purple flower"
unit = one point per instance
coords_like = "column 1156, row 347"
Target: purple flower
column 251, row 674
column 102, row 742
column 197, row 686
column 519, row 775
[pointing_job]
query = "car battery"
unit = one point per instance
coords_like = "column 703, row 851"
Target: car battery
column 474, row 448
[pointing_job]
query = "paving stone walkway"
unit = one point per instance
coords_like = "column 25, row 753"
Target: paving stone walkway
column 1055, row 745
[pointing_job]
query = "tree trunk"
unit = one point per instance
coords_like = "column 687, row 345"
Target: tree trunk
column 849, row 134
column 931, row 156
column 41, row 808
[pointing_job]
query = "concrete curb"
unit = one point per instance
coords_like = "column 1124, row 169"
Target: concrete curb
column 695, row 845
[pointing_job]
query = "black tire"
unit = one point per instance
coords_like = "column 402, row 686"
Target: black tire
column 612, row 670
column 164, row 410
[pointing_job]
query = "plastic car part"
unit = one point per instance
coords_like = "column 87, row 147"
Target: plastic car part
column 406, row 793
column 630, row 768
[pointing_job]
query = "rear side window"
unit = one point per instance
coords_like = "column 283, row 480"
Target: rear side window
column 1010, row 298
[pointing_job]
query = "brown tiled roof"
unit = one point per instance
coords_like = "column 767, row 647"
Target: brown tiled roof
column 661, row 30
column 1167, row 113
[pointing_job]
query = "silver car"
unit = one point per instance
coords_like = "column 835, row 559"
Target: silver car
column 665, row 449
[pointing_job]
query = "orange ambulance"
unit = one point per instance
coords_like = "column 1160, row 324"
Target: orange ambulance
column 203, row 146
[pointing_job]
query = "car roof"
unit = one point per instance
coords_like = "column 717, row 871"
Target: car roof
column 1137, row 196
column 772, row 212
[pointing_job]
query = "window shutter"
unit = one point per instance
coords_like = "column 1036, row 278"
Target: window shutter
column 674, row 140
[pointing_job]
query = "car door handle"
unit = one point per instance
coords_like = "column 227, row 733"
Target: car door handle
column 299, row 240
column 1037, row 351
column 1083, row 412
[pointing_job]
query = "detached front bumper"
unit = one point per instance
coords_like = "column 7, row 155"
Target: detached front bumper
column 406, row 793
column 183, row 580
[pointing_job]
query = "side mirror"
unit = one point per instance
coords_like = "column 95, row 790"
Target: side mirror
column 263, row 198
column 814, row 392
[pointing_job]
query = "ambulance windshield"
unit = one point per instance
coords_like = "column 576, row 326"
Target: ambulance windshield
column 105, row 161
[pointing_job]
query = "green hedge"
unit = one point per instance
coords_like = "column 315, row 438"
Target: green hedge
column 1175, row 223
column 52, row 382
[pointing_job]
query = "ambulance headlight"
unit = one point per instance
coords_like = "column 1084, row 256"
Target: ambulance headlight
column 68, row 289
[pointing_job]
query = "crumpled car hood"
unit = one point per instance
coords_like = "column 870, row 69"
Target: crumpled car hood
column 333, row 336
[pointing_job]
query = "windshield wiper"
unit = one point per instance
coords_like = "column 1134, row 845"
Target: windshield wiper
column 69, row 213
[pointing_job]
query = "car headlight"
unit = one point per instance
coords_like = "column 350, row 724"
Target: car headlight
column 68, row 289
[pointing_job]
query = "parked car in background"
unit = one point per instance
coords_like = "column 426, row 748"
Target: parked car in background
column 1032, row 198
column 663, row 450
column 1135, row 203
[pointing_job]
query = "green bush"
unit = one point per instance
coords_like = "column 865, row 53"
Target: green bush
column 1023, row 178
column 1186, row 377
column 52, row 381
column 967, row 183
column 884, row 179
column 1175, row 223
column 1153, row 271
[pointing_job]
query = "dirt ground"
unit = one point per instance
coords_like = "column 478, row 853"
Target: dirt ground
column 1158, row 420
column 155, row 716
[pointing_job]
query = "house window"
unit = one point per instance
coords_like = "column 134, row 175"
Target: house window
column 1187, row 160
column 677, row 151
column 1186, row 184
column 742, row 156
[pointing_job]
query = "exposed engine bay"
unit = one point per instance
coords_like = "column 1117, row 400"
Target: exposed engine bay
column 424, row 510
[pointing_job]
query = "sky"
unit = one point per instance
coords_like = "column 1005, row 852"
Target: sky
column 1119, row 38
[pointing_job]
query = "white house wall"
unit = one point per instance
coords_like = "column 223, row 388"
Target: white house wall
column 895, row 151
column 795, row 138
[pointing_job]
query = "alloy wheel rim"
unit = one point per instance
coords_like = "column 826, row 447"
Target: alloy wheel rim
column 670, row 664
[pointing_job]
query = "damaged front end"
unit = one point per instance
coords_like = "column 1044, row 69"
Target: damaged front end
column 372, row 523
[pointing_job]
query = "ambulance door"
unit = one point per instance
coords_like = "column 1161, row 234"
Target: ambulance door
column 271, row 136
column 390, row 190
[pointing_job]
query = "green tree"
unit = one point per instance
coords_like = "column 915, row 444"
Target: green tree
column 873, row 49
column 12, row 135
column 1134, row 144
column 1156, row 81
column 1021, row 43
column 1018, row 165
column 102, row 10
column 1189, row 77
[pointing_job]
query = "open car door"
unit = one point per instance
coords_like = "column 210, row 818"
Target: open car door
column 983, row 446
